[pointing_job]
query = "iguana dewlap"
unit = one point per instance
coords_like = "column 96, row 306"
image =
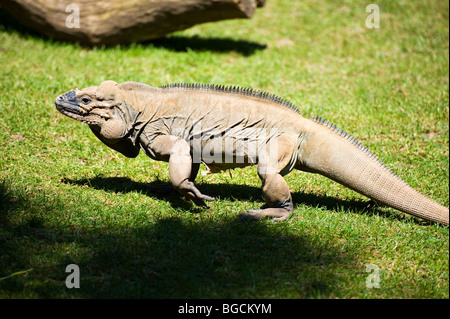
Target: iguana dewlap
column 228, row 127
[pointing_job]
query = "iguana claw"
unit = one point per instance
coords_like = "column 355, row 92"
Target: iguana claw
column 188, row 189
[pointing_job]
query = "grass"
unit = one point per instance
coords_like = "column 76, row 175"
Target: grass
column 65, row 198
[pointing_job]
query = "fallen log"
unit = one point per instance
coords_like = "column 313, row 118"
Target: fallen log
column 115, row 21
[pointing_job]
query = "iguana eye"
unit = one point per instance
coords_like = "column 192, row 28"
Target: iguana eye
column 85, row 100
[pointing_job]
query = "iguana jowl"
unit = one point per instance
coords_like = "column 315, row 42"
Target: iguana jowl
column 238, row 127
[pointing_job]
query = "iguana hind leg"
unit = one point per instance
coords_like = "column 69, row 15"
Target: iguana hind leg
column 278, row 198
column 276, row 158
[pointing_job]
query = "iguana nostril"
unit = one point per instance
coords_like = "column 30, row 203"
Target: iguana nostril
column 71, row 95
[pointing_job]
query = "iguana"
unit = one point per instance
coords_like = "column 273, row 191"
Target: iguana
column 227, row 127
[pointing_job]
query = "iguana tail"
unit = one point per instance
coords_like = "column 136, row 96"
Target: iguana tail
column 332, row 153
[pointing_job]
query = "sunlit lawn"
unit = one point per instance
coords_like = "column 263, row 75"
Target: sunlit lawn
column 65, row 198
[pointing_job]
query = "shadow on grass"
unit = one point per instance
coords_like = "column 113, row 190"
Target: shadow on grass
column 163, row 257
column 165, row 191
column 195, row 43
column 171, row 42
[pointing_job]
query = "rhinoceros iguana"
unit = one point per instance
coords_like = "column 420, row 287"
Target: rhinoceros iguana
column 227, row 127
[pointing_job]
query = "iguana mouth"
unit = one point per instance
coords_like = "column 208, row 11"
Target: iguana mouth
column 67, row 103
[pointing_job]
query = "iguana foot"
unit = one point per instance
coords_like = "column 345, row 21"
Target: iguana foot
column 188, row 189
column 278, row 214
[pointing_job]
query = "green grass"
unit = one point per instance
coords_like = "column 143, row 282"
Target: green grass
column 66, row 198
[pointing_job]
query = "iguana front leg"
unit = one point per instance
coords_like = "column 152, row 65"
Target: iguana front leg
column 181, row 169
column 168, row 188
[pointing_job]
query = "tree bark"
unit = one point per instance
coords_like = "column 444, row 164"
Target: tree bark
column 116, row 21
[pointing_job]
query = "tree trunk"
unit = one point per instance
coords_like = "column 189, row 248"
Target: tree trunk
column 115, row 21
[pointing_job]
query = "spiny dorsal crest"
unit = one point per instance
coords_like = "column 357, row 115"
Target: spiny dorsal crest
column 233, row 89
column 343, row 133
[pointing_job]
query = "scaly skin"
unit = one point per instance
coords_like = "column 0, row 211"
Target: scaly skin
column 228, row 127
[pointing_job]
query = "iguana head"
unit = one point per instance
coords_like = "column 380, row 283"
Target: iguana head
column 104, row 110
column 98, row 106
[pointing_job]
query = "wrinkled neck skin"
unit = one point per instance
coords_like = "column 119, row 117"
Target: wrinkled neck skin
column 135, row 123
column 140, row 108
